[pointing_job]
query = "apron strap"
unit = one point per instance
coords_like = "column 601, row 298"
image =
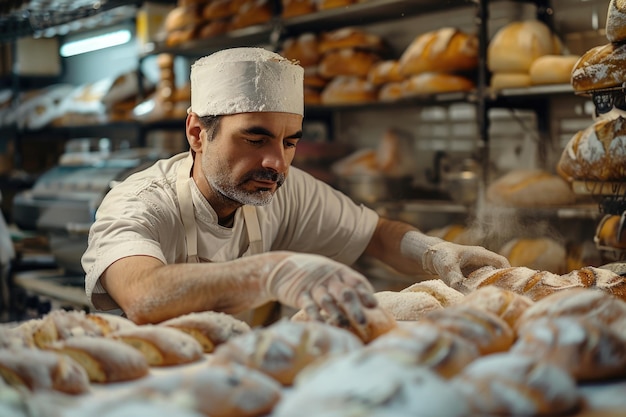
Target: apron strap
column 185, row 204
column 254, row 229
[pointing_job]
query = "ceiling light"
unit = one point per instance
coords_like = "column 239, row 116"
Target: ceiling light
column 119, row 37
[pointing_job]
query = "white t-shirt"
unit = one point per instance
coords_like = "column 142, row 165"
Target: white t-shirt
column 140, row 216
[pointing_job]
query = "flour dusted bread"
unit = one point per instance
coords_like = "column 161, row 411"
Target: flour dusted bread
column 530, row 188
column 61, row 325
column 597, row 153
column 540, row 284
column 37, row 369
column 443, row 50
column 542, row 253
column 616, row 21
column 228, row 390
column 489, row 332
column 435, row 82
column 105, row 360
column 426, row 344
column 505, row 384
column 347, row 62
column 110, row 323
column 506, row 304
column 284, row 348
column 209, row 328
column 349, row 38
column 600, row 68
column 303, row 48
column 384, row 72
column 161, row 345
column 349, row 90
column 587, row 349
column 446, row 295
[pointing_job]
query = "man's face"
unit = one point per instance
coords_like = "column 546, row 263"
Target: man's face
column 249, row 158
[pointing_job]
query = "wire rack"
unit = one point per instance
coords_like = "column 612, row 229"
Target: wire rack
column 58, row 17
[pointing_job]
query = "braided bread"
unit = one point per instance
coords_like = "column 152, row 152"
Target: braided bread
column 539, row 284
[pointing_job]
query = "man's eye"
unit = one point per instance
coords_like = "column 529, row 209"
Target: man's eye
column 254, row 141
column 290, row 144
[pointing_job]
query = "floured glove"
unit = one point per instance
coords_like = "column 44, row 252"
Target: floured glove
column 450, row 261
column 315, row 283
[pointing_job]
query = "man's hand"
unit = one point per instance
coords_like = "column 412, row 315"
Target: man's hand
column 315, row 283
column 450, row 261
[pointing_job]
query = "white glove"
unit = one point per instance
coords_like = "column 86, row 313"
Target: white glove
column 315, row 283
column 450, row 261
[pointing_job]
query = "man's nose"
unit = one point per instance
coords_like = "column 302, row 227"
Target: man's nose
column 275, row 158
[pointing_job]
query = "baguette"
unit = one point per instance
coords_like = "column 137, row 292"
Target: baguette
column 539, row 284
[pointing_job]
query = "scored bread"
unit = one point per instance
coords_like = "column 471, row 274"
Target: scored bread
column 61, row 325
column 506, row 304
column 616, row 21
column 105, row 360
column 530, row 188
column 446, row 295
column 542, row 253
column 347, row 62
column 209, row 328
column 407, row 306
column 600, row 68
column 349, row 38
column 161, row 345
column 284, row 348
column 37, row 369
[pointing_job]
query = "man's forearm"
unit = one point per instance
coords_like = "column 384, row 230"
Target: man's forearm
column 150, row 292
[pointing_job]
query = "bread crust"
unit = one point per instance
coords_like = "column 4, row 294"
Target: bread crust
column 600, row 68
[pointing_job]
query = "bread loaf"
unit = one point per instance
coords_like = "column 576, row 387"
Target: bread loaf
column 217, row 9
column 105, row 360
column 444, row 294
column 161, row 345
column 349, row 38
column 209, row 328
column 332, row 4
column 616, row 21
column 252, row 12
column 293, row 8
column 392, row 91
column 347, row 62
column 110, row 323
column 515, row 46
column 611, row 232
column 61, row 325
column 37, row 369
column 541, row 253
column 530, row 188
column 434, row 83
column 304, row 49
column 444, row 50
column 489, row 332
column 506, row 304
column 539, row 284
column 587, row 349
column 503, row 80
column 229, row 390
column 426, row 344
column 284, row 348
column 407, row 306
column 552, row 69
column 505, row 384
column 384, row 72
column 348, row 90
column 600, row 68
column 597, row 153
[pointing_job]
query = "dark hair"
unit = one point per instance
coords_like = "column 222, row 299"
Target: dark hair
column 211, row 124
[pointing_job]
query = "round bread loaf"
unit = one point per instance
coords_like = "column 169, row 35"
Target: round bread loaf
column 434, row 83
column 515, row 46
column 37, row 369
column 348, row 90
column 161, row 345
column 303, row 49
column 587, row 349
column 227, row 390
column 506, row 304
column 489, row 332
column 541, row 253
column 209, row 328
column 502, row 80
column 349, row 38
column 597, row 153
column 284, row 348
column 443, row 50
column 530, row 188
column 105, row 360
column 611, row 232
column 552, row 69
column 347, row 62
column 252, row 12
column 426, row 344
column 600, row 68
column 505, row 384
column 616, row 21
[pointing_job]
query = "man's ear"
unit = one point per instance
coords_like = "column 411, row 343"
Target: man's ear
column 193, row 130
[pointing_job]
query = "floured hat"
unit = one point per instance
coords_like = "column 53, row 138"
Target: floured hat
column 242, row 80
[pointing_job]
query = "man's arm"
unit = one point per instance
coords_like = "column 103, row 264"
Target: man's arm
column 385, row 246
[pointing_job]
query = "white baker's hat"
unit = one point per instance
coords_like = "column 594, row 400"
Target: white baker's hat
column 242, row 80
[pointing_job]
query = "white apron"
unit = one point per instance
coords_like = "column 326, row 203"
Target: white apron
column 259, row 316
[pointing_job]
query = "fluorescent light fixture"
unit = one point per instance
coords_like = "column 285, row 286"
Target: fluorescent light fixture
column 119, row 37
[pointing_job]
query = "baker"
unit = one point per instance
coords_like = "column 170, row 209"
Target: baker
column 231, row 226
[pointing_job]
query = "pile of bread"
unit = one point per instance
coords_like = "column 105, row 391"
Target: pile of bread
column 512, row 342
column 526, row 53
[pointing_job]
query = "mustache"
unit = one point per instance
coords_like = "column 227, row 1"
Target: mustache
column 265, row 175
